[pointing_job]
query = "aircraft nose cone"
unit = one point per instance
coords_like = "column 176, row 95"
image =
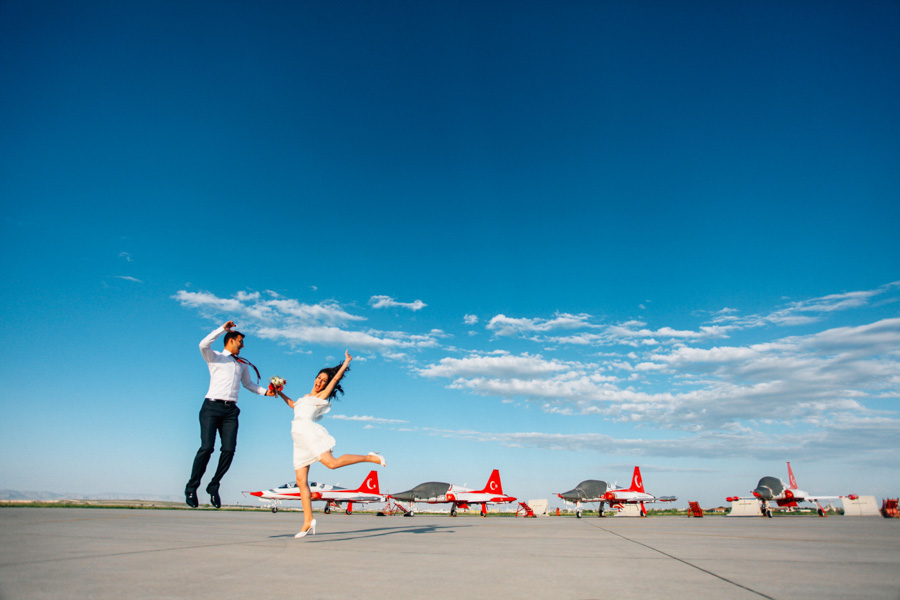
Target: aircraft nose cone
column 763, row 492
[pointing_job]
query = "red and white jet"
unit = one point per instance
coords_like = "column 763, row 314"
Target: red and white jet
column 773, row 489
column 594, row 490
column 332, row 495
column 436, row 492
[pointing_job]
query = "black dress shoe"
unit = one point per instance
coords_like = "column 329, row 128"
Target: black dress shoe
column 215, row 500
column 191, row 499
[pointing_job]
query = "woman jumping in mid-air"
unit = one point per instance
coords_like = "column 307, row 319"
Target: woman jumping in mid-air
column 312, row 442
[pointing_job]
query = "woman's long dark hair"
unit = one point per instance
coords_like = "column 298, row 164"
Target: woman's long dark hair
column 331, row 372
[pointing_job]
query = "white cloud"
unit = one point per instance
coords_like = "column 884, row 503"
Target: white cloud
column 336, row 336
column 722, row 325
column 805, row 312
column 128, row 278
column 630, row 333
column 632, row 330
column 686, row 355
column 388, row 302
column 502, row 325
column 208, row 302
column 126, row 256
column 672, row 378
column 274, row 317
column 798, row 380
column 865, row 436
column 580, row 339
column 252, row 305
column 367, row 419
column 324, row 312
column 879, row 337
column 496, row 366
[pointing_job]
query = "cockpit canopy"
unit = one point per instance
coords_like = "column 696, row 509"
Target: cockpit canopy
column 590, row 488
column 769, row 487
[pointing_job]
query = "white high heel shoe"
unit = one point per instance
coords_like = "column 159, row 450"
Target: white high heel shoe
column 312, row 527
column 380, row 458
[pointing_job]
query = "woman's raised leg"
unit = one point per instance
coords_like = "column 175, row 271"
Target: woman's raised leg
column 332, row 462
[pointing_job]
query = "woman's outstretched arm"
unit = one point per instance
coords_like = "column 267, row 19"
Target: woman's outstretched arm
column 287, row 400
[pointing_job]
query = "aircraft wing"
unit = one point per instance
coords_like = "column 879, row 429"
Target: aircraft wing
column 817, row 498
column 354, row 498
column 795, row 499
column 476, row 498
column 642, row 500
column 628, row 497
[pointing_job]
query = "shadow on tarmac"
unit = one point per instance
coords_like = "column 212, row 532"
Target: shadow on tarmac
column 378, row 532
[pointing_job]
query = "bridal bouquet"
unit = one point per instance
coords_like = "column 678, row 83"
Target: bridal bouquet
column 276, row 384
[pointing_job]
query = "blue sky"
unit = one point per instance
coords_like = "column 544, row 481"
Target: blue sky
column 561, row 241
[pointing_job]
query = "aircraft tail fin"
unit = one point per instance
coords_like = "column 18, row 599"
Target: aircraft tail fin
column 493, row 485
column 370, row 484
column 637, row 483
column 791, row 478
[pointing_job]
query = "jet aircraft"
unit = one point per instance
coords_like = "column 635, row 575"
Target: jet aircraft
column 436, row 492
column 594, row 490
column 332, row 495
column 773, row 489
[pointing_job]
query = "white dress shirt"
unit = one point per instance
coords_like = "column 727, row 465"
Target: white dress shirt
column 225, row 372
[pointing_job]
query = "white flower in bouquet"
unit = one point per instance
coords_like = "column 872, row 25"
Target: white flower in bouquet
column 276, row 384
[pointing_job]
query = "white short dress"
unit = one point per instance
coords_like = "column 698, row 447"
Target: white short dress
column 310, row 438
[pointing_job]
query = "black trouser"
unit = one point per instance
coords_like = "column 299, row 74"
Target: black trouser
column 221, row 417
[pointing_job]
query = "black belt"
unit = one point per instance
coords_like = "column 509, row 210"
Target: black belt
column 221, row 401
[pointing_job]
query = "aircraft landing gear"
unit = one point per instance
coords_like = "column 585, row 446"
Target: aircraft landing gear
column 453, row 512
column 274, row 509
column 578, row 514
column 327, row 510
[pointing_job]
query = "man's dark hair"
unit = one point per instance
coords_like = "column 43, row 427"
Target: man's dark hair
column 230, row 335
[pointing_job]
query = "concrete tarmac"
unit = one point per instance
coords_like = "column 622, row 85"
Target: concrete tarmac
column 198, row 554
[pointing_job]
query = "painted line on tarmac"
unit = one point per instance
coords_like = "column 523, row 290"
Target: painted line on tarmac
column 726, row 580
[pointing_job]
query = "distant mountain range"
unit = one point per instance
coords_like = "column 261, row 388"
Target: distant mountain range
column 49, row 496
